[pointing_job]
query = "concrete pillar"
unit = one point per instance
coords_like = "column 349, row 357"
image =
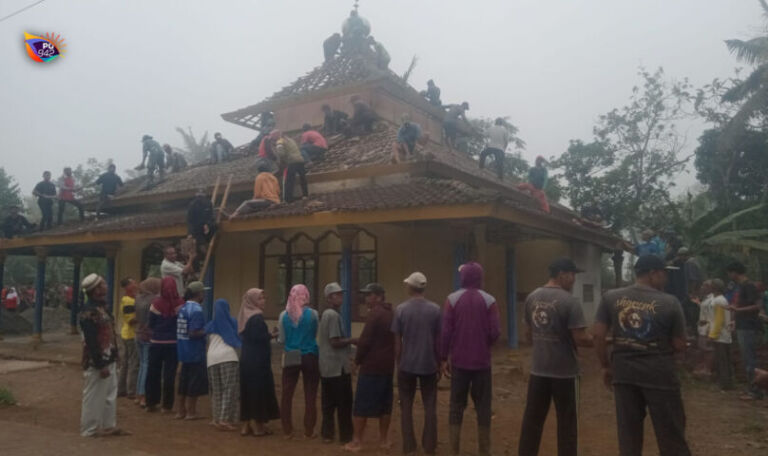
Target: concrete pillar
column 459, row 258
column 37, row 327
column 347, row 236
column 511, row 276
column 111, row 254
column 77, row 262
column 618, row 262
column 208, row 282
column 2, row 284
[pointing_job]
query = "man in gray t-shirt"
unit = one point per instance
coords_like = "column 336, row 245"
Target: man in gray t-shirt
column 417, row 325
column 334, row 358
column 648, row 327
column 556, row 326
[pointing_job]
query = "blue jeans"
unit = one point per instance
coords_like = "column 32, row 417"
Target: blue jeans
column 749, row 339
column 142, row 348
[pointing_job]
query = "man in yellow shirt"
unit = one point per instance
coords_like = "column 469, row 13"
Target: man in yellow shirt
column 266, row 192
column 129, row 362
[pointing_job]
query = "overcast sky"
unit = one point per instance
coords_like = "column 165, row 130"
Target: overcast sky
column 148, row 66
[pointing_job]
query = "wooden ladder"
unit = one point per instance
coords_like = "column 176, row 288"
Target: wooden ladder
column 212, row 243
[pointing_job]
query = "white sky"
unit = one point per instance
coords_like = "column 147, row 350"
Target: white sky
column 148, row 66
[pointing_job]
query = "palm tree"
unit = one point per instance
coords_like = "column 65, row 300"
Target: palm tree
column 195, row 151
column 752, row 92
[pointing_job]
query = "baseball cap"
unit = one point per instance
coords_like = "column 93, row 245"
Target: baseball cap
column 196, row 287
column 90, row 282
column 416, row 280
column 563, row 265
column 332, row 288
column 374, row 288
column 650, row 262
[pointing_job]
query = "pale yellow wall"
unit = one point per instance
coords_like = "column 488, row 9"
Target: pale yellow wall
column 293, row 117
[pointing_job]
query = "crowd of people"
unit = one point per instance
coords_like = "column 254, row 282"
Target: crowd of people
column 230, row 358
column 165, row 334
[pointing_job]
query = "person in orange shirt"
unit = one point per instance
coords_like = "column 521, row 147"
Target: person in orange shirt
column 266, row 192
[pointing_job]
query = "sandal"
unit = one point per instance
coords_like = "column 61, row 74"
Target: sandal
column 266, row 433
column 116, row 432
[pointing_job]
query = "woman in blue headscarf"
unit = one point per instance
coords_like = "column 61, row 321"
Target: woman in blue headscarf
column 223, row 366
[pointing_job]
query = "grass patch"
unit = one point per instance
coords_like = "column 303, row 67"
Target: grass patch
column 6, row 397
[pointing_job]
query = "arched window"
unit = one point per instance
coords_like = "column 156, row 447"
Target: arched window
column 314, row 262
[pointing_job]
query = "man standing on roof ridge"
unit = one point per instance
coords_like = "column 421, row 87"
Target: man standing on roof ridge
column 109, row 182
column 537, row 181
column 221, row 149
column 152, row 148
column 451, row 120
column 498, row 139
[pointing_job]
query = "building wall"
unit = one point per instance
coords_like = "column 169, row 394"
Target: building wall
column 293, row 117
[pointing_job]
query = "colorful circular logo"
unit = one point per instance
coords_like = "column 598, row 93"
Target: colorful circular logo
column 44, row 48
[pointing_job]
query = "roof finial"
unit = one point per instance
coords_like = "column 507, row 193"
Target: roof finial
column 357, row 4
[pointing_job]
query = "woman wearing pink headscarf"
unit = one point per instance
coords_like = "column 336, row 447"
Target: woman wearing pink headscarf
column 298, row 331
column 258, row 403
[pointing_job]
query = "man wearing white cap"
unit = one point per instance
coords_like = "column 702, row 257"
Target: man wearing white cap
column 417, row 326
column 335, row 378
column 99, row 410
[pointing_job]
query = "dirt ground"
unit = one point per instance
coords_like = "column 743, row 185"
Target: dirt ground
column 45, row 421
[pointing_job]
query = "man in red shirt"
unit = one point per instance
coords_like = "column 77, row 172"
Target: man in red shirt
column 313, row 145
column 67, row 190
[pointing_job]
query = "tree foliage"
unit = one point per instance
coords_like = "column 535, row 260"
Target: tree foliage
column 752, row 92
column 628, row 168
column 10, row 193
column 194, row 150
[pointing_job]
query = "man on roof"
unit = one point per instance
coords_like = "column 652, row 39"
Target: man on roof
column 174, row 161
column 331, row 46
column 266, row 192
column 109, row 182
column 220, row 149
column 152, row 149
column 498, row 139
column 363, row 117
column 451, row 120
column 15, row 223
column 432, row 94
column 313, row 144
column 45, row 191
column 382, row 56
column 334, row 121
column 289, row 158
column 408, row 135
column 67, row 191
column 537, row 180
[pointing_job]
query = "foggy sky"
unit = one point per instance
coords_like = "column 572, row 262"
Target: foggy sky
column 148, row 66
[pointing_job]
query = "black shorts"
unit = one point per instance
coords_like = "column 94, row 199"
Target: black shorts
column 373, row 397
column 193, row 380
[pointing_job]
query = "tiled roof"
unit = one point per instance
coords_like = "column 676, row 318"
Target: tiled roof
column 113, row 223
column 414, row 193
column 341, row 71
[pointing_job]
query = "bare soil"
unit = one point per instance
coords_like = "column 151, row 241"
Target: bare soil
column 45, row 421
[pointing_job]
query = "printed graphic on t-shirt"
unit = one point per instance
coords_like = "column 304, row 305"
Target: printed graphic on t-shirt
column 635, row 319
